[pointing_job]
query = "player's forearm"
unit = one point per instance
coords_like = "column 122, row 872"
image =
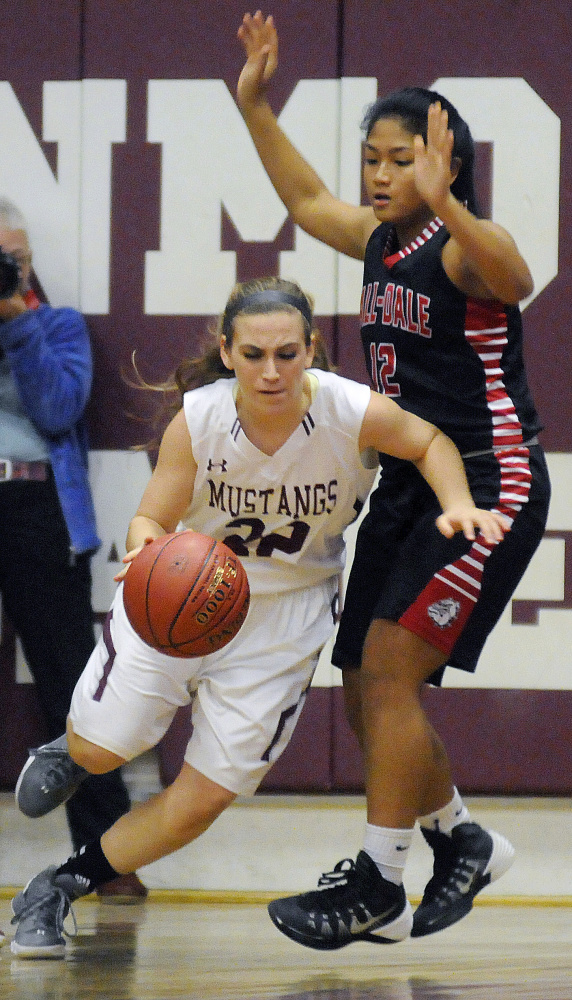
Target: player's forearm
column 295, row 181
column 489, row 252
column 142, row 527
column 442, row 467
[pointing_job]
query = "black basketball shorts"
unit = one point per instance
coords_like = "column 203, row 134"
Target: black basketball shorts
column 449, row 591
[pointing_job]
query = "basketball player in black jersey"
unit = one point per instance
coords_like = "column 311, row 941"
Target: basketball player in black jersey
column 442, row 335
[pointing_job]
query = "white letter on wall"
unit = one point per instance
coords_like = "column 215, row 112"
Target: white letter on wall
column 526, row 162
column 204, row 167
column 104, row 121
column 208, row 159
column 69, row 214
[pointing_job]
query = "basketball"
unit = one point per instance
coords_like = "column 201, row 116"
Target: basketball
column 186, row 594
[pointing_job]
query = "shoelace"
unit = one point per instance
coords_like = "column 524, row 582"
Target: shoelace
column 36, row 906
column 338, row 875
column 460, row 879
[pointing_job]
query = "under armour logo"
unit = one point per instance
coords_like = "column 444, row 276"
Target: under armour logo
column 216, row 465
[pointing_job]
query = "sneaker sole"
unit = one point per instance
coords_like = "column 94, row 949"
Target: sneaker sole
column 502, row 857
column 38, row 951
column 390, row 933
column 19, row 783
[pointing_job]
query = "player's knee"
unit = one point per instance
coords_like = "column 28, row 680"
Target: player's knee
column 95, row 759
column 193, row 802
column 385, row 681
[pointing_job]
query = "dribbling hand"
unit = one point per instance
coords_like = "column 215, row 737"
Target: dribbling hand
column 129, row 557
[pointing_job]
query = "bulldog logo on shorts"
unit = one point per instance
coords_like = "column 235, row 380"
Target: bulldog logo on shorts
column 444, row 612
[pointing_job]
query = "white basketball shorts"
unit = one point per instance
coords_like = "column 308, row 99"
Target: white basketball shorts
column 246, row 697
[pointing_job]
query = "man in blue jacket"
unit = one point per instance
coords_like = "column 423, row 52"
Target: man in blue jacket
column 47, row 515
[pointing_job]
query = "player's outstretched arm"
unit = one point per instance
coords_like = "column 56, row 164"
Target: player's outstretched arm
column 391, row 429
column 312, row 206
column 481, row 258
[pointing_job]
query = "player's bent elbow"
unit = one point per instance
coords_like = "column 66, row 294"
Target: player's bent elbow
column 521, row 287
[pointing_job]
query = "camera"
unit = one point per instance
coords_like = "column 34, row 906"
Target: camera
column 9, row 275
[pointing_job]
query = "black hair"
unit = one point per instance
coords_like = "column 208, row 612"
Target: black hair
column 410, row 106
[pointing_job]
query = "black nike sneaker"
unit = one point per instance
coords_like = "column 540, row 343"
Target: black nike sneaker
column 467, row 861
column 352, row 903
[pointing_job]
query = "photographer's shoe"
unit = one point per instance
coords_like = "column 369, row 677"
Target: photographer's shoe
column 123, row 889
column 465, row 862
column 49, row 778
column 352, row 903
column 39, row 912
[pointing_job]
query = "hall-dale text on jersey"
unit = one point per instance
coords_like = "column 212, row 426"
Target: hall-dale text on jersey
column 401, row 308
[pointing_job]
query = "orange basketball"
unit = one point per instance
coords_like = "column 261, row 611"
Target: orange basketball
column 186, row 594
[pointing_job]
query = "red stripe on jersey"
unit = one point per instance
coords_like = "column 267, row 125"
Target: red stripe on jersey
column 440, row 612
column 516, row 479
column 485, row 314
column 424, row 237
column 485, row 331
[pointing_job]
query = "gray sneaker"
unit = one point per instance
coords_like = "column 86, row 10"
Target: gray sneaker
column 39, row 912
column 49, row 778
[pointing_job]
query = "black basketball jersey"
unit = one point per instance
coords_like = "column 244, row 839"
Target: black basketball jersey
column 454, row 360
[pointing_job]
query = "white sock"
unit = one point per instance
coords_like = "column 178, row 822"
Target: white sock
column 389, row 848
column 449, row 816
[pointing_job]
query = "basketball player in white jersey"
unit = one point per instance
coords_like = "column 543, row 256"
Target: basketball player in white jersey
column 273, row 457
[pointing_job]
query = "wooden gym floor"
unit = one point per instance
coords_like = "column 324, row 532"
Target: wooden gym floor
column 204, row 933
column 178, row 945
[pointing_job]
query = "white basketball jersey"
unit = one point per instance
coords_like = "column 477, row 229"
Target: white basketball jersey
column 282, row 514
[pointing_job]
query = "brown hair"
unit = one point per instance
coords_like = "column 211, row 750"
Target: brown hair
column 260, row 295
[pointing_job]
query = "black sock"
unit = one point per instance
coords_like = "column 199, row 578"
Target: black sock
column 89, row 866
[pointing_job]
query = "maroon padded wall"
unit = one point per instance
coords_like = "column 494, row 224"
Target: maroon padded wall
column 413, row 43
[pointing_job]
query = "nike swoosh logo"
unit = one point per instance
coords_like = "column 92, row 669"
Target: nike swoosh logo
column 465, row 886
column 357, row 928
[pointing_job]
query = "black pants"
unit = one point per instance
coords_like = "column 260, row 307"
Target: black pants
column 47, row 596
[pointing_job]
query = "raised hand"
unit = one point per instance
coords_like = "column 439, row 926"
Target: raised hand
column 260, row 41
column 432, row 165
